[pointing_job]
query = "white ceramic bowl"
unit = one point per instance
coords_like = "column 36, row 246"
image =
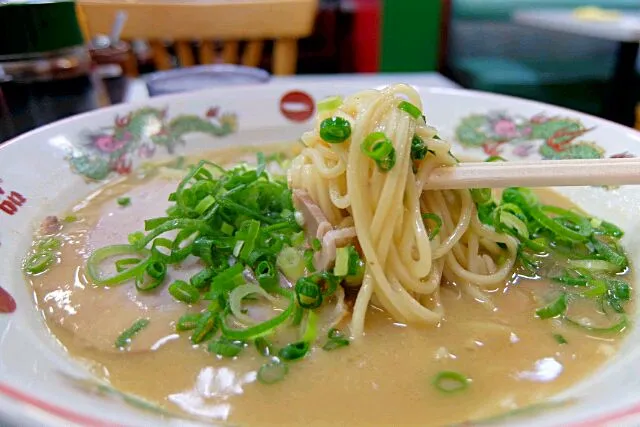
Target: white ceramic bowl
column 46, row 170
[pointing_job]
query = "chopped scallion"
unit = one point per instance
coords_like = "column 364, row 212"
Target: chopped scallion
column 184, row 292
column 124, row 339
column 450, row 382
column 335, row 130
column 273, row 371
column 556, row 308
column 410, row 109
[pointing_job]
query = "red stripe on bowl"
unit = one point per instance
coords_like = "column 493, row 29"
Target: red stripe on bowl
column 57, row 411
column 7, row 303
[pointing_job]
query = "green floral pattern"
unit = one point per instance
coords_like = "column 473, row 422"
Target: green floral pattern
column 552, row 137
column 138, row 134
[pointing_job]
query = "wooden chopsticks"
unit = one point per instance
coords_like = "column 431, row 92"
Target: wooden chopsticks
column 545, row 173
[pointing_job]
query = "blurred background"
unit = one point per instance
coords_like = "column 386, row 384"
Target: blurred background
column 574, row 53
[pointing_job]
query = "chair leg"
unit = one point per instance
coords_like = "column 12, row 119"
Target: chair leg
column 185, row 54
column 252, row 53
column 161, row 57
column 230, row 52
column 207, row 52
column 285, row 56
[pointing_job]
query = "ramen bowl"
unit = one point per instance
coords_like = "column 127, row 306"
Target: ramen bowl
column 47, row 170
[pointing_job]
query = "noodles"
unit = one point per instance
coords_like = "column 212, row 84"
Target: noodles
column 404, row 268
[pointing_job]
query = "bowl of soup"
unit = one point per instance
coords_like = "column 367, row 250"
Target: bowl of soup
column 274, row 255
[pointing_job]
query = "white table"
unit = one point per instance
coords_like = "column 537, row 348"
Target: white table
column 137, row 90
column 625, row 30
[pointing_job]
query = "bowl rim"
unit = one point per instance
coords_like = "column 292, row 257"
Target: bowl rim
column 14, row 395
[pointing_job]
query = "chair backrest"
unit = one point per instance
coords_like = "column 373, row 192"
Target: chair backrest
column 239, row 26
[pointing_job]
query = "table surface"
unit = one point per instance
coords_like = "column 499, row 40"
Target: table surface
column 137, row 90
column 624, row 29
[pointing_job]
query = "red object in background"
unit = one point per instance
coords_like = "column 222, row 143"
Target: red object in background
column 366, row 35
column 297, row 106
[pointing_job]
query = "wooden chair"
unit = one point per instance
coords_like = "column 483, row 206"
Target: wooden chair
column 210, row 23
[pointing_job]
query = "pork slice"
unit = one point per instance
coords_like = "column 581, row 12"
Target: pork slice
column 331, row 241
column 50, row 225
column 315, row 221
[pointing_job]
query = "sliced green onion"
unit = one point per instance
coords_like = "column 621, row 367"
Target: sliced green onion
column 184, row 292
column 560, row 339
column 201, row 279
column 99, row 255
column 522, row 197
column 125, row 337
column 450, row 382
column 410, row 109
column 316, row 245
column 263, row 346
column 262, row 163
column 388, row 162
column 297, row 239
column 291, row 263
column 311, row 330
column 261, row 328
column 341, row 268
column 610, row 254
column 124, row 201
column 481, row 195
column 356, row 265
column 554, row 309
column 294, row 351
column 188, row 321
column 593, row 265
column 434, row 231
column 619, row 289
column 596, row 288
column 330, row 103
column 418, row 148
column 156, row 270
column 70, row 218
column 308, row 261
column 161, row 250
column 238, row 294
column 570, row 280
column 124, row 263
column 205, row 327
column 608, row 229
column 48, row 244
column 377, row 146
column 145, row 283
column 228, row 279
column 227, row 228
column 226, row 348
column 506, row 221
column 205, row 204
column 150, row 224
column 39, row 262
column 273, row 371
column 308, row 293
column 336, row 339
column 335, row 130
column 248, row 232
column 582, row 229
column 266, row 274
column 619, row 326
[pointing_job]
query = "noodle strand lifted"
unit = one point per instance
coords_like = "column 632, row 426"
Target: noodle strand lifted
column 404, row 265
